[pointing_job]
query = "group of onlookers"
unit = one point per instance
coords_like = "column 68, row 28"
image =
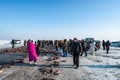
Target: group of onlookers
column 74, row 47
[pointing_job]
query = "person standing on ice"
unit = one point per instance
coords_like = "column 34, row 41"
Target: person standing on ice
column 38, row 47
column 25, row 42
column 83, row 47
column 13, row 43
column 70, row 46
column 65, row 48
column 103, row 44
column 76, row 50
column 32, row 52
column 107, row 46
column 56, row 45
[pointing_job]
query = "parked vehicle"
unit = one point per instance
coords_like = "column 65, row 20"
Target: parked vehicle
column 115, row 44
column 88, row 42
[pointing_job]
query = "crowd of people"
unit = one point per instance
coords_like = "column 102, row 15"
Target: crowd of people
column 74, row 47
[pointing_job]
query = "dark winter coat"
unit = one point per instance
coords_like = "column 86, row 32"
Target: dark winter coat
column 76, row 47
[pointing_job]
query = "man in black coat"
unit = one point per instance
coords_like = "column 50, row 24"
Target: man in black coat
column 103, row 44
column 38, row 47
column 13, row 43
column 83, row 47
column 107, row 46
column 76, row 50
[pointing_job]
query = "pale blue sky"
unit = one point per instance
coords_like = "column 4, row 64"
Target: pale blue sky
column 59, row 19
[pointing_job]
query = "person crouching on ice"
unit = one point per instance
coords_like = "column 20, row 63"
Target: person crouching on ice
column 32, row 52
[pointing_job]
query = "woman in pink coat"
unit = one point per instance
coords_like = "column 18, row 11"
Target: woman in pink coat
column 32, row 52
